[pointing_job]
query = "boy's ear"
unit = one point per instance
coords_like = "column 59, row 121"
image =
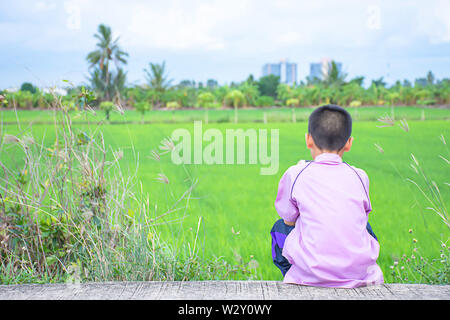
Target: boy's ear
column 309, row 141
column 348, row 145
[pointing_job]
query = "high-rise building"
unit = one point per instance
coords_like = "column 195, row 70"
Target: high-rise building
column 322, row 69
column 285, row 70
column 272, row 68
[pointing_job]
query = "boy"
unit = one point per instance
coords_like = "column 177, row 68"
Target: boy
column 324, row 238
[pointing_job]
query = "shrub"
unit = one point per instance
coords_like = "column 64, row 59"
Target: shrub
column 205, row 100
column 235, row 98
column 216, row 105
column 20, row 99
column 293, row 102
column 355, row 104
column 27, row 86
column 173, row 105
column 426, row 102
column 265, row 101
column 142, row 107
column 278, row 103
column 3, row 101
column 107, row 106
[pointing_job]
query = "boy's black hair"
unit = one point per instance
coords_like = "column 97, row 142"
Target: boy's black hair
column 330, row 127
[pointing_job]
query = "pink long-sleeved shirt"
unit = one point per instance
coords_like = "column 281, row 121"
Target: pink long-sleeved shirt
column 329, row 246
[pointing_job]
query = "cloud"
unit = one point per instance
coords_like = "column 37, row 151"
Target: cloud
column 434, row 22
column 45, row 5
column 234, row 25
column 194, row 25
column 175, row 28
column 222, row 38
column 289, row 38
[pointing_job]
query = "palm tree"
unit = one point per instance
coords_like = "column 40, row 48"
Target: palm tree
column 108, row 50
column 108, row 91
column 284, row 92
column 157, row 78
column 379, row 82
column 250, row 92
column 334, row 76
column 237, row 99
column 206, row 101
column 118, row 83
column 430, row 78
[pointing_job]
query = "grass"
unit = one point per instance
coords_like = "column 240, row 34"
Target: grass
column 281, row 114
column 231, row 209
column 236, row 197
column 69, row 212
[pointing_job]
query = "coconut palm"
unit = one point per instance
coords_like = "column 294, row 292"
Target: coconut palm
column 251, row 93
column 111, row 90
column 237, row 99
column 157, row 78
column 379, row 82
column 100, row 59
column 221, row 92
column 334, row 76
column 206, row 101
column 284, row 92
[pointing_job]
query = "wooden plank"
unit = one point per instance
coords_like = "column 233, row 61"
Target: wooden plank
column 213, row 290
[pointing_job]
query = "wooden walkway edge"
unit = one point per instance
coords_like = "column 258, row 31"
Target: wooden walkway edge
column 218, row 290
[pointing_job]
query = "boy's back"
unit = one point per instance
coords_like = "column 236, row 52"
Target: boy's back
column 328, row 200
column 330, row 245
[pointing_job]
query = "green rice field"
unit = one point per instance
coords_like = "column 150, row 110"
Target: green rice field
column 276, row 114
column 235, row 203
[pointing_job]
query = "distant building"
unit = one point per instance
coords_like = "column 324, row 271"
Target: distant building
column 315, row 71
column 285, row 70
column 58, row 91
column 12, row 89
column 322, row 69
column 271, row 68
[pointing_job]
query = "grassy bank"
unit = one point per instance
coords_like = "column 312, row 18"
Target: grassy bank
column 71, row 210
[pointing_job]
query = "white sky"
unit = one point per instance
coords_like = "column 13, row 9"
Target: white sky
column 46, row 41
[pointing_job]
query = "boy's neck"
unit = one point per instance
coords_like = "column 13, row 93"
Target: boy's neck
column 315, row 153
